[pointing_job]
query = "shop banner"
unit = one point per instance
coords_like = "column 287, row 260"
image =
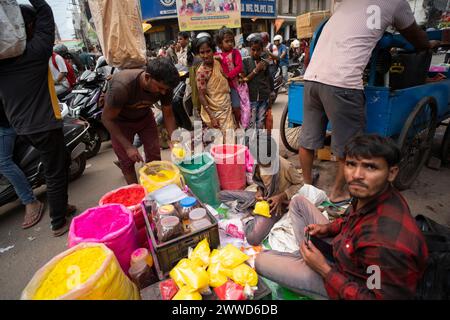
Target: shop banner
column 195, row 15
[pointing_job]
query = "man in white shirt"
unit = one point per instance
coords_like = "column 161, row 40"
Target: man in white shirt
column 59, row 72
column 334, row 78
column 182, row 48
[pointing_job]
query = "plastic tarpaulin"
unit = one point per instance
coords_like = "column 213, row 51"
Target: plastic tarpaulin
column 13, row 38
column 119, row 29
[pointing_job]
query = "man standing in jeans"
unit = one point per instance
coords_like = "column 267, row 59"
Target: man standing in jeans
column 27, row 93
column 283, row 58
column 334, row 78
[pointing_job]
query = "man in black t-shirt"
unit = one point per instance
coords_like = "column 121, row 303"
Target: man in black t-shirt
column 127, row 112
column 27, row 93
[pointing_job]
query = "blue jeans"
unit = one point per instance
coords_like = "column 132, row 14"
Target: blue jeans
column 10, row 170
column 259, row 109
column 284, row 70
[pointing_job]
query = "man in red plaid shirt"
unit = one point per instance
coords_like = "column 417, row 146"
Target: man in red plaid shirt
column 376, row 252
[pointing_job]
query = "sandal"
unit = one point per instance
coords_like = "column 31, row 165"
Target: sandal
column 62, row 230
column 33, row 218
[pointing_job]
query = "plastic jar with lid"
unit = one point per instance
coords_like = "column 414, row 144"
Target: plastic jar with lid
column 141, row 255
column 169, row 228
column 167, row 210
column 187, row 205
column 199, row 219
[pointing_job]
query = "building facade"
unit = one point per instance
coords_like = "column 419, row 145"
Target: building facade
column 256, row 15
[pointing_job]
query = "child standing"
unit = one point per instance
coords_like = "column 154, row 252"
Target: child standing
column 231, row 61
column 257, row 76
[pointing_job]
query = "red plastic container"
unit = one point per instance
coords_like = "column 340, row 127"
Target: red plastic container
column 131, row 197
column 231, row 165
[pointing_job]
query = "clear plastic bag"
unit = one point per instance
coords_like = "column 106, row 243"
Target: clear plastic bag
column 13, row 38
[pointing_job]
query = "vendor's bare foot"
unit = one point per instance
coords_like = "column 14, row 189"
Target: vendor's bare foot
column 33, row 214
column 338, row 197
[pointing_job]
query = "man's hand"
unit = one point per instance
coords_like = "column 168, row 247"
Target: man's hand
column 134, row 155
column 314, row 258
column 275, row 203
column 261, row 66
column 215, row 123
column 317, row 230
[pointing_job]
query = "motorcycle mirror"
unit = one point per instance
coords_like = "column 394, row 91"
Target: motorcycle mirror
column 101, row 63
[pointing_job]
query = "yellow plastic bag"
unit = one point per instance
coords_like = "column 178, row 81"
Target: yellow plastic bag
column 216, row 276
column 231, row 257
column 87, row 271
column 200, row 255
column 245, row 275
column 186, row 293
column 187, row 273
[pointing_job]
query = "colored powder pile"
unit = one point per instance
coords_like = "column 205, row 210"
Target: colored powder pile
column 127, row 197
column 74, row 269
column 100, row 222
column 163, row 175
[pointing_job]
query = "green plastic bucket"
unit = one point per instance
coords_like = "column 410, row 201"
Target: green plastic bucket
column 200, row 174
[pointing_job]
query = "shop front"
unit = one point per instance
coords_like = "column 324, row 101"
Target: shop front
column 256, row 16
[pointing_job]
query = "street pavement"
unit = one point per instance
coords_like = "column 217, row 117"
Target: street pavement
column 32, row 248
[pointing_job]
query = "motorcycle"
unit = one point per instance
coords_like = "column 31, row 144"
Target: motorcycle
column 28, row 158
column 84, row 104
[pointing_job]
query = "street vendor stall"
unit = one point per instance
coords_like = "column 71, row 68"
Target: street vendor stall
column 401, row 102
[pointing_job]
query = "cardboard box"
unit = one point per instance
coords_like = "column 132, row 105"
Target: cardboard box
column 325, row 154
column 307, row 23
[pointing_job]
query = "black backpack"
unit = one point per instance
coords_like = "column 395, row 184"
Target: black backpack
column 435, row 284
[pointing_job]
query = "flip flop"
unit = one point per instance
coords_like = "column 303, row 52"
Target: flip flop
column 59, row 232
column 36, row 216
column 341, row 203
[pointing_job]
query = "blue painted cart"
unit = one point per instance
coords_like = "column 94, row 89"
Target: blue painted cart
column 410, row 116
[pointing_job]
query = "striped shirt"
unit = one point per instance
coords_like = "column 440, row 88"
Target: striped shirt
column 349, row 37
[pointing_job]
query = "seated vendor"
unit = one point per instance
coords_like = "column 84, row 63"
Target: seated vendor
column 376, row 251
column 277, row 181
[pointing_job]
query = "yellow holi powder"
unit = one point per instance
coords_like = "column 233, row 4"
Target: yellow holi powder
column 162, row 176
column 74, row 269
column 178, row 152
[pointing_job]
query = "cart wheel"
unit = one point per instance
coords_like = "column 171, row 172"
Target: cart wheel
column 289, row 136
column 445, row 149
column 415, row 141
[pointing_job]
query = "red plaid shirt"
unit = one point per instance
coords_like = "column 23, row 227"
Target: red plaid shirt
column 382, row 233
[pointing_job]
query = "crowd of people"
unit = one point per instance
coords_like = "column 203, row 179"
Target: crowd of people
column 377, row 229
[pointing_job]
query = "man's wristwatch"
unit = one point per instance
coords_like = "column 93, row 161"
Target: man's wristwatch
column 254, row 71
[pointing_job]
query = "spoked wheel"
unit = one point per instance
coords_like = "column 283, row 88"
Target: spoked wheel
column 289, row 136
column 445, row 149
column 415, row 141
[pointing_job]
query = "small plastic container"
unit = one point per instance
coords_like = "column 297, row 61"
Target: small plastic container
column 197, row 214
column 167, row 210
column 200, row 224
column 142, row 274
column 169, row 228
column 186, row 206
column 141, row 255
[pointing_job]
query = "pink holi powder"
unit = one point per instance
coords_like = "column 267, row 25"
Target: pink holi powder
column 102, row 221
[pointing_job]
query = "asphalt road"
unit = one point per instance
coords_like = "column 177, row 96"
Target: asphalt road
column 32, row 248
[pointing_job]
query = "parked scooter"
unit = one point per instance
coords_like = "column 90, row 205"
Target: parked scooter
column 84, row 104
column 28, row 158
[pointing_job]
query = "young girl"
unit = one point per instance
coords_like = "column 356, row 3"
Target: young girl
column 213, row 89
column 231, row 61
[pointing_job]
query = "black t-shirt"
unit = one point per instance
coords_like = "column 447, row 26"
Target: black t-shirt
column 27, row 93
column 259, row 87
column 124, row 92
